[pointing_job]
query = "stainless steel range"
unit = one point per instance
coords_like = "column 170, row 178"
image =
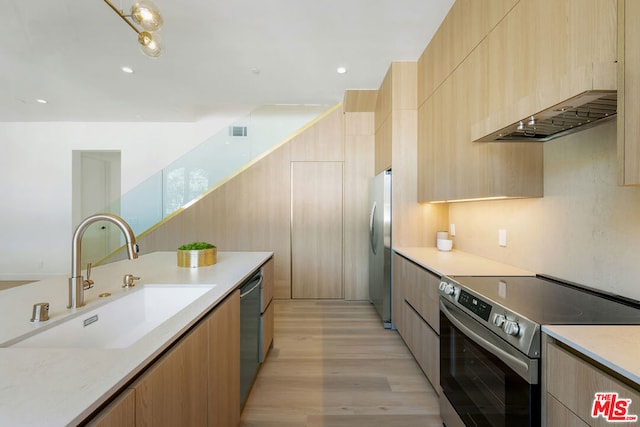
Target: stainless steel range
column 490, row 344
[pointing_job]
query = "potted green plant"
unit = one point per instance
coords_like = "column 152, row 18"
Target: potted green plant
column 197, row 254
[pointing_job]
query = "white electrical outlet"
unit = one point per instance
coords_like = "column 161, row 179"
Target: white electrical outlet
column 502, row 237
column 452, row 229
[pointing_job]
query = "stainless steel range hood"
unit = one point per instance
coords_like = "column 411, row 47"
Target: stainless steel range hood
column 581, row 112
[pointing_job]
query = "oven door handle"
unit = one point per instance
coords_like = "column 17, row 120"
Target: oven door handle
column 527, row 371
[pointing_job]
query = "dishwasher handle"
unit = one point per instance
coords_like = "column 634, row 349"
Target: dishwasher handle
column 258, row 282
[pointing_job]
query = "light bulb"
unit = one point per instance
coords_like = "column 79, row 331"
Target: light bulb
column 146, row 14
column 150, row 43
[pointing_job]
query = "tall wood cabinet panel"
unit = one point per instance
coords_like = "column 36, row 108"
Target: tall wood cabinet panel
column 316, row 236
column 358, row 171
column 384, row 141
column 383, row 125
column 628, row 89
column 224, row 363
column 174, row 390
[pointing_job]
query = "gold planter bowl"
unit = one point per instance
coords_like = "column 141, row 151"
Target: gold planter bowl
column 198, row 258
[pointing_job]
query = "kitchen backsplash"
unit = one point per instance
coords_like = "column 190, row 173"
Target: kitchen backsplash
column 586, row 229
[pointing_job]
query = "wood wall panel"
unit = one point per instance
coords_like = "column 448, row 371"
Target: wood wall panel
column 321, row 143
column 252, row 210
column 360, row 101
column 316, row 229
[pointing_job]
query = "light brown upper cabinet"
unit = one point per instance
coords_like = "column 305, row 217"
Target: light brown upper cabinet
column 316, row 229
column 628, row 89
column 544, row 52
column 396, row 98
column 538, row 53
column 466, row 24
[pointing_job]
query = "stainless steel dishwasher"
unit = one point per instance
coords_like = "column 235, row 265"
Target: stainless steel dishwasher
column 249, row 333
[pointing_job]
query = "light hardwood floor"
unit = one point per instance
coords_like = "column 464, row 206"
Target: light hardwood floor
column 333, row 365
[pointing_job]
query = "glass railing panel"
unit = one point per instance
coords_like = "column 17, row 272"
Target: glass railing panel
column 210, row 163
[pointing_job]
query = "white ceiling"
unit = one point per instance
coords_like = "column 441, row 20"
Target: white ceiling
column 69, row 52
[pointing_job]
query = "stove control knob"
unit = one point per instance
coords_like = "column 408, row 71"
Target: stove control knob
column 442, row 285
column 511, row 327
column 449, row 289
column 499, row 320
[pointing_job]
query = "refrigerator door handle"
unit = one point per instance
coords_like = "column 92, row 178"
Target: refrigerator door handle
column 372, row 231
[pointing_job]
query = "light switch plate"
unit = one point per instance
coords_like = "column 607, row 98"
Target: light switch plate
column 502, row 237
column 452, row 229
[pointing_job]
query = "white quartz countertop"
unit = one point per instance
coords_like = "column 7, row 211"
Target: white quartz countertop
column 457, row 263
column 62, row 386
column 616, row 347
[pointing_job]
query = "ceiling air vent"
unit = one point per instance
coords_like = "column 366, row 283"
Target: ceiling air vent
column 237, row 131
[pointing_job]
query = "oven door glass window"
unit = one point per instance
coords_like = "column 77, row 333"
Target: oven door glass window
column 483, row 390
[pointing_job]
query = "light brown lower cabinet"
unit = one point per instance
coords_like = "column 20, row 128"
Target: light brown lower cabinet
column 195, row 383
column 424, row 344
column 224, row 363
column 266, row 311
column 120, row 413
column 174, row 390
column 416, row 314
column 572, row 382
column 266, row 321
column 560, row 415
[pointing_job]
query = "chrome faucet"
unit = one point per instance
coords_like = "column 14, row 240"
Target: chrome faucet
column 76, row 281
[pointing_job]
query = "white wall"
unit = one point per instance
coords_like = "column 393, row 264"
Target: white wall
column 35, row 184
column 586, row 229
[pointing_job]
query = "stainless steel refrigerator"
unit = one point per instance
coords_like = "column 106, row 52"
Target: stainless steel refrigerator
column 380, row 246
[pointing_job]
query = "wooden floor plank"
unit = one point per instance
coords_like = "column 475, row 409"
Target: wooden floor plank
column 373, row 420
column 334, row 365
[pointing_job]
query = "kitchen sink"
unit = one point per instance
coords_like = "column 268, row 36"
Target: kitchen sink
column 121, row 322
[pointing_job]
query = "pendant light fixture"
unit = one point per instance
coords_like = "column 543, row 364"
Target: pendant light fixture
column 144, row 14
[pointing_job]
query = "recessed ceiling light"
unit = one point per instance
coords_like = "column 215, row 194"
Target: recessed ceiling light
column 341, row 70
column 127, row 70
column 41, row 101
